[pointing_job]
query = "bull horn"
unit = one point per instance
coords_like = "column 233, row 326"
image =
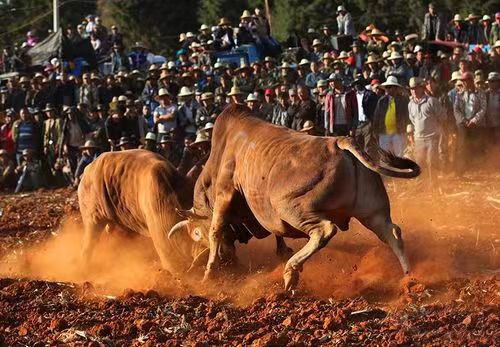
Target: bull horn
column 178, row 227
column 189, row 214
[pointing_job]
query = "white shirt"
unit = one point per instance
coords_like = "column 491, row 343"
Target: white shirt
column 361, row 112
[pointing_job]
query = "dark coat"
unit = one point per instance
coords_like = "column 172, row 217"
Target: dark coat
column 306, row 110
column 370, row 100
column 439, row 29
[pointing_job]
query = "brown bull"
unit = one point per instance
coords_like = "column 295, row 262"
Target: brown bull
column 269, row 179
column 138, row 191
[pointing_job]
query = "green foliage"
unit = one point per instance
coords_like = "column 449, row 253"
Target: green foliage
column 157, row 24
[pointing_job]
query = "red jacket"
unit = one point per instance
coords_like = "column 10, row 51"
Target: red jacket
column 351, row 109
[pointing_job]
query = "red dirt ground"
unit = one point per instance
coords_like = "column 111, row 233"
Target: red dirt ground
column 351, row 293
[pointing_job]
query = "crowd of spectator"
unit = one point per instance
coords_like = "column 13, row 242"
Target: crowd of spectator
column 432, row 96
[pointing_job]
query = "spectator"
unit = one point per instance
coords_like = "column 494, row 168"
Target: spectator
column 399, row 69
column 345, row 22
column 119, row 60
column 306, row 109
column 167, row 150
column 493, row 102
column 391, row 117
column 29, row 171
column 340, row 108
column 314, row 76
column 6, row 133
column 74, row 130
column 253, row 104
column 236, row 95
column 427, row 116
column 165, row 115
column 52, row 135
column 280, row 115
column 187, row 111
column 90, row 151
column 209, row 110
column 88, row 92
column 459, row 29
column 469, row 110
column 366, row 102
column 495, row 30
column 26, row 134
column 7, row 171
column 475, row 33
column 434, row 27
column 150, row 142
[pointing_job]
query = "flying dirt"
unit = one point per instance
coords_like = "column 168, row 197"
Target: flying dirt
column 350, row 293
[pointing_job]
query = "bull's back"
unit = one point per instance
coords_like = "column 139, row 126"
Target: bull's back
column 129, row 188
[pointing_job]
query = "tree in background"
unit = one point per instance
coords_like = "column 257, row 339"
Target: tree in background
column 156, row 24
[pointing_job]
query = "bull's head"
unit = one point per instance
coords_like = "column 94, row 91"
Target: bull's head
column 189, row 238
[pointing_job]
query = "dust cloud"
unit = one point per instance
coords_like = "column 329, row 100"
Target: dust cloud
column 449, row 233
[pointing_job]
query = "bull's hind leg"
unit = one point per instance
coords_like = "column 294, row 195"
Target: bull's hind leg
column 389, row 233
column 92, row 232
column 319, row 235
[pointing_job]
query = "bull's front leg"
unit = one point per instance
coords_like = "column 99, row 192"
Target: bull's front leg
column 319, row 236
column 214, row 241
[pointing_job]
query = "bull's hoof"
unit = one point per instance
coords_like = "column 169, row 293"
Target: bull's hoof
column 291, row 278
column 284, row 253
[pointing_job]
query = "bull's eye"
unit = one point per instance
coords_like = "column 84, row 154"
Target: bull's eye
column 197, row 234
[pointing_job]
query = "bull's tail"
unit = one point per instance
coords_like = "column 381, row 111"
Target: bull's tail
column 389, row 160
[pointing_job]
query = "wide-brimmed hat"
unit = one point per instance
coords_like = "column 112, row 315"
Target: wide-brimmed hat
column 3, row 153
column 395, row 55
column 334, row 77
column 201, row 137
column 49, row 107
column 189, row 35
column 341, row 8
column 246, row 14
column 185, row 91
column 473, row 16
column 457, row 18
column 164, row 74
column 235, row 91
column 27, row 151
column 285, row 66
column 494, row 76
column 308, row 126
column 376, row 32
column 485, row 18
column 411, row 37
column 150, row 137
column 251, row 97
column 391, row 81
column 243, row 67
column 166, row 139
column 204, row 27
column 317, row 42
column 164, row 92
column 416, row 82
column 207, row 96
column 327, row 55
column 322, row 83
column 394, row 44
column 208, row 127
column 359, row 79
column 153, row 67
column 124, row 140
column 372, row 59
column 224, row 21
column 497, row 44
column 89, row 144
column 304, row 62
column 24, row 79
column 343, row 55
column 455, row 76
